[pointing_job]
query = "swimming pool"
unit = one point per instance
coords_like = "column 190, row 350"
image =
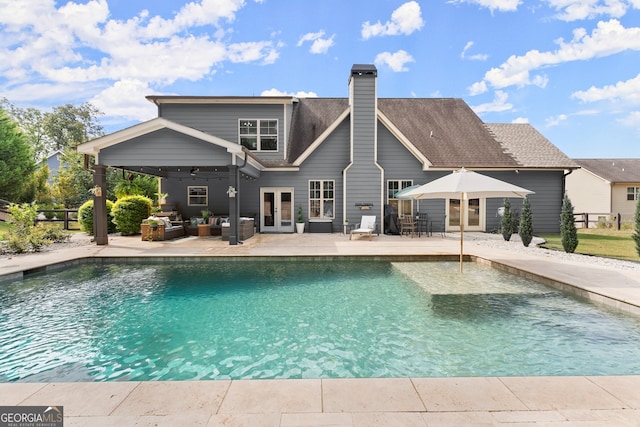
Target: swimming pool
column 225, row 319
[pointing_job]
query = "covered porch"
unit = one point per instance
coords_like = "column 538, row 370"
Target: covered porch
column 198, row 171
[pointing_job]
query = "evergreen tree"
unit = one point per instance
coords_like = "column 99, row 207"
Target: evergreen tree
column 507, row 222
column 568, row 232
column 17, row 164
column 636, row 235
column 526, row 223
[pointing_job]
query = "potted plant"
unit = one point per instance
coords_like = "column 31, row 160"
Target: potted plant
column 300, row 221
column 204, row 229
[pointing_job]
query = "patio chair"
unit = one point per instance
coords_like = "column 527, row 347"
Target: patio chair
column 366, row 226
column 408, row 226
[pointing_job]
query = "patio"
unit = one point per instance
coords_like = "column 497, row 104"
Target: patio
column 562, row 401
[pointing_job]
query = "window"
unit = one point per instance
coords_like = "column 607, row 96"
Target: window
column 321, row 199
column 402, row 206
column 259, row 135
column 633, row 193
column 198, row 195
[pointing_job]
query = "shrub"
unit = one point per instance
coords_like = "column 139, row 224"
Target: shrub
column 85, row 217
column 507, row 222
column 128, row 213
column 24, row 236
column 568, row 232
column 53, row 232
column 526, row 223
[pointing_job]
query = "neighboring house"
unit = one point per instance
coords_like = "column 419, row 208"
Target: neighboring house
column 337, row 158
column 53, row 162
column 605, row 186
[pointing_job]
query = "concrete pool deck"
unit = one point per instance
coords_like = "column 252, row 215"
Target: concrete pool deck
column 504, row 401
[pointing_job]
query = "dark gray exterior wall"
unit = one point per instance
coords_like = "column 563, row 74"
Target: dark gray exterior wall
column 222, row 120
column 546, row 203
column 164, row 147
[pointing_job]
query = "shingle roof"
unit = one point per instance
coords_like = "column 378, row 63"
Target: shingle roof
column 446, row 131
column 311, row 117
column 528, row 146
column 613, row 170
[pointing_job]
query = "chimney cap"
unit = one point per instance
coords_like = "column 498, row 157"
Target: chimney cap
column 360, row 69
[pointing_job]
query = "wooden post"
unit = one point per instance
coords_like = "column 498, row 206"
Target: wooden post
column 619, row 220
column 586, row 220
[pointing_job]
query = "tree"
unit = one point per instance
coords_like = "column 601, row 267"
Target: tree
column 568, row 232
column 63, row 127
column 507, row 222
column 72, row 183
column 17, row 164
column 636, row 235
column 526, row 223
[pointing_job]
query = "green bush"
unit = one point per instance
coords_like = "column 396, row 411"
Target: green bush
column 128, row 213
column 568, row 232
column 24, row 236
column 53, row 232
column 526, row 223
column 507, row 222
column 85, row 217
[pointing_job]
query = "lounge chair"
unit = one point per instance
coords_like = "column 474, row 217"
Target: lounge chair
column 366, row 226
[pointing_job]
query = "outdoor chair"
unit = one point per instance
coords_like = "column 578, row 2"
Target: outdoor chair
column 408, row 226
column 366, row 226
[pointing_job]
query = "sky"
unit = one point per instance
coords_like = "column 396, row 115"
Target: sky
column 570, row 68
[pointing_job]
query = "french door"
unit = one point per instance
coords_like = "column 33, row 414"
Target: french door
column 276, row 210
column 473, row 214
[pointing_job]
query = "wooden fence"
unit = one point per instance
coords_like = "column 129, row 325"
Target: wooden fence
column 66, row 216
column 602, row 220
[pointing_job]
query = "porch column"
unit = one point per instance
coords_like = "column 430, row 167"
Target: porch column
column 100, row 233
column 233, row 205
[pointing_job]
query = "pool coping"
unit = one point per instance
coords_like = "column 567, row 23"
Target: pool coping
column 454, row 401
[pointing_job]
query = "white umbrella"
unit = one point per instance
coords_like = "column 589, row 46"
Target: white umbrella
column 465, row 185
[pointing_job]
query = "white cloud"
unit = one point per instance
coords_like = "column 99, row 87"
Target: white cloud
column 80, row 43
column 126, row 98
column 299, row 94
column 498, row 104
column 556, row 120
column 396, row 61
column 628, row 91
column 478, row 88
column 318, row 43
column 606, row 39
column 404, row 20
column 499, row 5
column 572, row 10
column 632, row 119
column 476, row 57
column 520, row 120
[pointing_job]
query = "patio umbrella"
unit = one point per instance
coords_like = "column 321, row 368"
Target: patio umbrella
column 464, row 185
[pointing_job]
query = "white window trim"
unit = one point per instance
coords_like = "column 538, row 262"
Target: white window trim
column 189, row 196
column 400, row 181
column 322, row 199
column 258, row 136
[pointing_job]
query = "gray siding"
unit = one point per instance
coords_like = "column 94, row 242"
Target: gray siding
column 221, row 120
column 364, row 179
column 326, row 163
column 164, row 147
column 546, row 204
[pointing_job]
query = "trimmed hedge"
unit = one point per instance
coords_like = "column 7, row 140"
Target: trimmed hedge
column 85, row 217
column 128, row 213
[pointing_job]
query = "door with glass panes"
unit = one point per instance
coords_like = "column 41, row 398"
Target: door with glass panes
column 276, row 210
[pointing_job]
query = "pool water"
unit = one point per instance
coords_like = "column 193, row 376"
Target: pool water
column 301, row 319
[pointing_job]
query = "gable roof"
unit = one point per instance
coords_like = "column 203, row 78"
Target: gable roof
column 528, row 147
column 443, row 132
column 613, row 170
column 446, row 131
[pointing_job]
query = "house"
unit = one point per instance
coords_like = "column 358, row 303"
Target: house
column 53, row 163
column 605, row 186
column 337, row 158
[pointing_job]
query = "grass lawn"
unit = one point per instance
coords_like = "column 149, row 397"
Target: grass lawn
column 4, row 229
column 604, row 242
